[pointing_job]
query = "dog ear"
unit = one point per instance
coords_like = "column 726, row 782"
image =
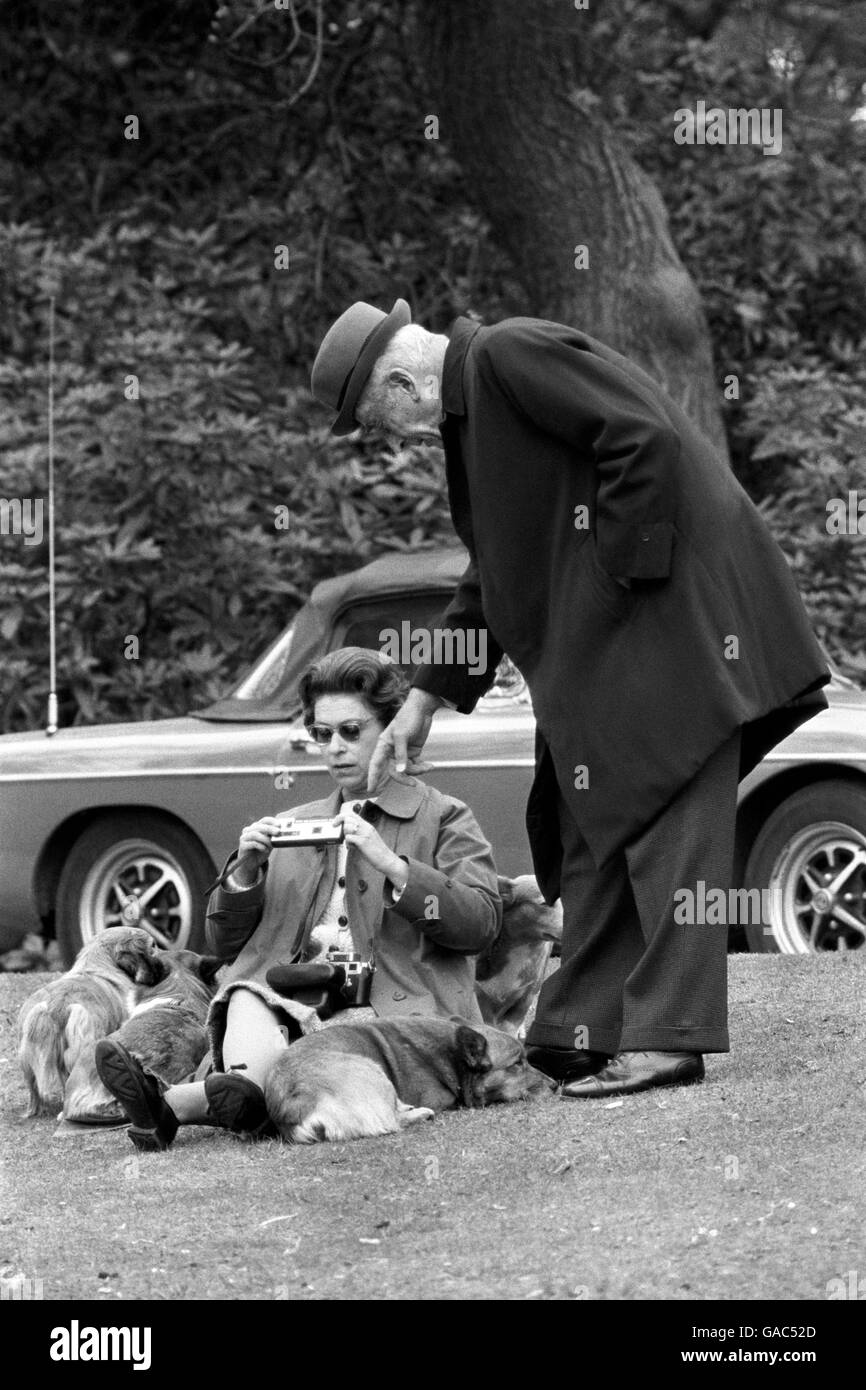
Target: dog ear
column 128, row 962
column 472, row 1048
column 505, row 889
column 207, row 967
column 151, row 968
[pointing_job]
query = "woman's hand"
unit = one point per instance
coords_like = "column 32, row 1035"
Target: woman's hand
column 370, row 845
column 254, row 848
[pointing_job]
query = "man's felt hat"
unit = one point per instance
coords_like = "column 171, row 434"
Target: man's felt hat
column 345, row 359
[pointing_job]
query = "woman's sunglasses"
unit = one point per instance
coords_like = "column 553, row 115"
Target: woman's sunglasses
column 349, row 732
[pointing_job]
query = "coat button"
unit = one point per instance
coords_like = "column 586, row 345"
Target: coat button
column 397, row 995
column 448, row 883
column 341, row 882
column 343, row 921
column 362, row 885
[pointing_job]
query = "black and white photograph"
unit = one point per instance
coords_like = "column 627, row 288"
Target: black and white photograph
column 433, row 669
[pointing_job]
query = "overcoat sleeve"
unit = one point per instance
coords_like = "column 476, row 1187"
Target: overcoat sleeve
column 455, row 900
column 457, row 683
column 586, row 400
column 233, row 914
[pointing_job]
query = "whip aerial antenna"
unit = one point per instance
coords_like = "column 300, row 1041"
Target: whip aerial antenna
column 51, row 727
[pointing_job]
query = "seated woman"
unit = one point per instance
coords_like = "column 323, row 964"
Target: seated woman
column 412, row 888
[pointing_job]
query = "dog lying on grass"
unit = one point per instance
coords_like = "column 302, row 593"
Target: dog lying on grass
column 355, row 1080
column 59, row 1025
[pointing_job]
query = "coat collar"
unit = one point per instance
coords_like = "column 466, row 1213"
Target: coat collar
column 399, row 797
column 463, row 331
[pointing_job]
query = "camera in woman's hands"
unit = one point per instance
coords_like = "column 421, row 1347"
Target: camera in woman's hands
column 302, row 830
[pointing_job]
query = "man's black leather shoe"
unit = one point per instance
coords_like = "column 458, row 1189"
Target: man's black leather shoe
column 639, row 1071
column 566, row 1063
column 236, row 1103
column 153, row 1124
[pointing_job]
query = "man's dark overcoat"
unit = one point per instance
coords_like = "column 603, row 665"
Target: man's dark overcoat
column 568, row 470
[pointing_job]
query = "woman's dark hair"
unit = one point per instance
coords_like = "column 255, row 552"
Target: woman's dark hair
column 355, row 671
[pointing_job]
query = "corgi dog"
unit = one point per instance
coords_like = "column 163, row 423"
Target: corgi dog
column 355, row 1080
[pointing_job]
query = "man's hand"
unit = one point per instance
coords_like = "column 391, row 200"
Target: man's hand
column 404, row 738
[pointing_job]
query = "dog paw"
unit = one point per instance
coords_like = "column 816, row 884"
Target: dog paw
column 411, row 1114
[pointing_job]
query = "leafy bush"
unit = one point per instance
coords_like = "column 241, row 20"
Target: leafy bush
column 194, row 518
column 812, row 424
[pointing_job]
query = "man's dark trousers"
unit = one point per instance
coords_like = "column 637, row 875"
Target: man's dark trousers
column 631, row 978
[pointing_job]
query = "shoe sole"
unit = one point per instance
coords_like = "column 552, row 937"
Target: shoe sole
column 633, row 1090
column 232, row 1110
column 149, row 1141
column 116, row 1070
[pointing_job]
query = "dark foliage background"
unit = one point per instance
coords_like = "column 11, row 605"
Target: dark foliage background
column 305, row 129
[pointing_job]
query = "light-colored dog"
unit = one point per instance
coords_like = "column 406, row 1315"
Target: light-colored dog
column 59, row 1025
column 509, row 974
column 355, row 1080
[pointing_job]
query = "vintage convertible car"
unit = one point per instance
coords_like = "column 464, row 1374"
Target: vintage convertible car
column 128, row 822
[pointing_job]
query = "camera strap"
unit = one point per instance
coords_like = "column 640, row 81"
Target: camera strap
column 369, row 810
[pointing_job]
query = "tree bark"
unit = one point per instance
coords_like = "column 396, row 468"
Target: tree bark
column 550, row 175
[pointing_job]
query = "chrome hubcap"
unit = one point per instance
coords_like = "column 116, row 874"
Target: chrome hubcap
column 131, row 914
column 818, row 902
column 137, row 884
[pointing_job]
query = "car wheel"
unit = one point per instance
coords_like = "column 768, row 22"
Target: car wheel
column 811, row 855
column 133, row 870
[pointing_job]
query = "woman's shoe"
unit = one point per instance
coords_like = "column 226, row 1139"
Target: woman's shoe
column 238, row 1104
column 153, row 1124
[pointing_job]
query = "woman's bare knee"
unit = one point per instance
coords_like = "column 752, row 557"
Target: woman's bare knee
column 254, row 1037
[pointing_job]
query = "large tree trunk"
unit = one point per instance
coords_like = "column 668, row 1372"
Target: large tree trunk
column 550, row 177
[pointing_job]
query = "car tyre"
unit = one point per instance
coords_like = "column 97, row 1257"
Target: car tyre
column 812, row 840
column 135, row 869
